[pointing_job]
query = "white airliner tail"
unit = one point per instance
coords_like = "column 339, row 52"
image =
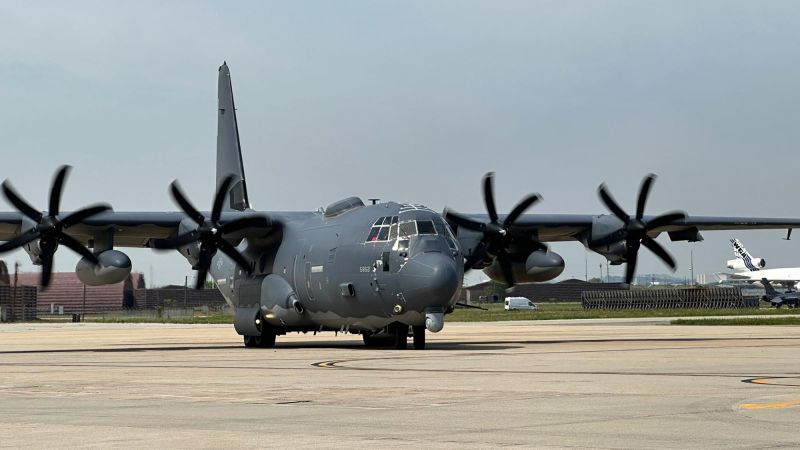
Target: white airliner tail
column 744, row 261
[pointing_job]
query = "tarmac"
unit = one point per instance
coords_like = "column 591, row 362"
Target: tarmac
column 544, row 384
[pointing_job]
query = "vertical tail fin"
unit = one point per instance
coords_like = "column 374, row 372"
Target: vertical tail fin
column 229, row 150
column 768, row 287
column 740, row 252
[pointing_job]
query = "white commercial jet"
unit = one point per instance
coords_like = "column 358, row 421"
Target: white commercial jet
column 754, row 268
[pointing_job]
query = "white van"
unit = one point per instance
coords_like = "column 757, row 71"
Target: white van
column 519, row 303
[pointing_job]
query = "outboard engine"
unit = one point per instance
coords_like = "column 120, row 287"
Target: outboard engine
column 113, row 266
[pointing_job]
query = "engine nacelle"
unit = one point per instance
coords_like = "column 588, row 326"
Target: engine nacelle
column 538, row 266
column 738, row 264
column 278, row 304
column 113, row 266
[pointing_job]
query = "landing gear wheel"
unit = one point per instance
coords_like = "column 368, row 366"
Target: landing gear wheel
column 250, row 341
column 399, row 332
column 267, row 338
column 419, row 337
column 370, row 340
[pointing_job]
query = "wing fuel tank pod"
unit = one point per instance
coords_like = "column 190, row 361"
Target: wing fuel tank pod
column 540, row 265
column 543, row 265
column 112, row 266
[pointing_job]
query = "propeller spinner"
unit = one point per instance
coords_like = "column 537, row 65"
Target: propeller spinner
column 50, row 226
column 497, row 236
column 636, row 228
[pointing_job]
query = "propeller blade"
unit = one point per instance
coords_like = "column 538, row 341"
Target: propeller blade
column 666, row 219
column 202, row 267
column 477, row 255
column 76, row 247
column 233, row 253
column 520, row 208
column 464, row 222
column 19, row 240
column 488, row 196
column 57, row 189
column 222, row 192
column 644, row 192
column 244, row 222
column 176, row 242
column 47, row 268
column 611, row 204
column 505, row 267
column 185, row 204
column 660, row 251
column 630, row 266
column 83, row 214
column 526, row 236
column 21, row 205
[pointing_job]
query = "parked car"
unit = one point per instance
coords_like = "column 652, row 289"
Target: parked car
column 519, row 303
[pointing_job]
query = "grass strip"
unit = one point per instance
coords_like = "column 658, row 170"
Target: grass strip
column 573, row 310
column 740, row 321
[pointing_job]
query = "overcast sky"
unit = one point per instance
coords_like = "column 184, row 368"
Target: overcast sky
column 414, row 101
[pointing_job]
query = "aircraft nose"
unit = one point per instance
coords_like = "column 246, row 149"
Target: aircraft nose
column 428, row 279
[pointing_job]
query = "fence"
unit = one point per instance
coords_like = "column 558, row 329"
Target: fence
column 17, row 303
column 700, row 298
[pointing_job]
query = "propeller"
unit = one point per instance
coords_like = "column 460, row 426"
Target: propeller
column 50, row 225
column 497, row 236
column 636, row 228
column 210, row 233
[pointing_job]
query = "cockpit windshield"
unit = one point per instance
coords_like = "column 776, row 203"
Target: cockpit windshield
column 390, row 229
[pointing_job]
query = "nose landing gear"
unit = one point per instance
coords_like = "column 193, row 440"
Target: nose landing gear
column 396, row 337
column 419, row 337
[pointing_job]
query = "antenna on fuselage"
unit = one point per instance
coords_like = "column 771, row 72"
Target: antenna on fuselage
column 374, row 201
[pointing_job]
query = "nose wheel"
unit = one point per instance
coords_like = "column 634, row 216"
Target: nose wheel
column 396, row 337
column 399, row 333
column 419, row 337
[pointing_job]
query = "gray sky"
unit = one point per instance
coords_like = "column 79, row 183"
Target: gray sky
column 413, row 101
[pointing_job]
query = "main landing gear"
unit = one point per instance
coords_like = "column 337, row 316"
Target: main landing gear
column 266, row 340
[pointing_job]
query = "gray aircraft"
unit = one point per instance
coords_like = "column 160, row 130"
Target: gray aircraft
column 776, row 299
column 374, row 269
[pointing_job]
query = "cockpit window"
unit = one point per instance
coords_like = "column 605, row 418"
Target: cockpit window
column 425, row 227
column 380, row 229
column 408, row 229
column 444, row 230
column 383, row 235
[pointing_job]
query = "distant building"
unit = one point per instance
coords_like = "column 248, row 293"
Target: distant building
column 68, row 291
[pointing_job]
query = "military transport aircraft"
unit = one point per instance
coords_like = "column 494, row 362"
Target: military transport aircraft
column 371, row 269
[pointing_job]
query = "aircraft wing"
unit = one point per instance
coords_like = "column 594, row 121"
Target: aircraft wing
column 565, row 227
column 714, row 223
column 133, row 229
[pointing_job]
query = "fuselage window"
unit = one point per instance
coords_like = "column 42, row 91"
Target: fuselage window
column 380, row 229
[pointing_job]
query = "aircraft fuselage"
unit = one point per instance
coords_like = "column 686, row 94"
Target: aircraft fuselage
column 358, row 270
